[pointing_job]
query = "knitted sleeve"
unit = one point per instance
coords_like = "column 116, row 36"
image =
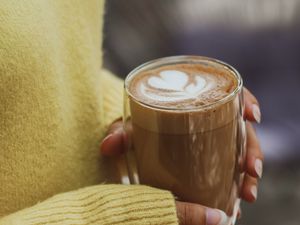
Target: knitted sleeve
column 102, row 204
column 112, row 89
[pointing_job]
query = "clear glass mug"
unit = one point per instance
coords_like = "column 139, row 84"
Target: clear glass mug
column 197, row 152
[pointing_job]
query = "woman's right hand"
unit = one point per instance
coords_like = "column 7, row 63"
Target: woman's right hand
column 195, row 214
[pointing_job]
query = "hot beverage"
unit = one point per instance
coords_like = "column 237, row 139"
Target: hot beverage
column 187, row 130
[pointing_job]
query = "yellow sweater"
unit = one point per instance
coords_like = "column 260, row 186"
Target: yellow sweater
column 55, row 105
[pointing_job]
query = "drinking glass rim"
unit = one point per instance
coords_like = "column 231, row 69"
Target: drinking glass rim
column 180, row 59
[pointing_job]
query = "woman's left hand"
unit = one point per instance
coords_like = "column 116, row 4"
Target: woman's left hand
column 254, row 155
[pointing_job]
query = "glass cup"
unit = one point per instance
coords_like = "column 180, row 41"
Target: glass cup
column 197, row 152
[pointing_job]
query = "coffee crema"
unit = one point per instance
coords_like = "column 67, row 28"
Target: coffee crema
column 182, row 85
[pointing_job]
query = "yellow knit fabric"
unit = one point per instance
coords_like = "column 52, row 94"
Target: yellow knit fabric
column 103, row 204
column 56, row 102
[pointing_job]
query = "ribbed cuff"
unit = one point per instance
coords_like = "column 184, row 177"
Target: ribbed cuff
column 102, row 204
column 113, row 97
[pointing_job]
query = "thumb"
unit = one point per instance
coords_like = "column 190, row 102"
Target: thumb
column 113, row 143
column 194, row 214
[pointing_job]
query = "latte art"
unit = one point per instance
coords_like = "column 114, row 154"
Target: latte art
column 181, row 86
column 172, row 85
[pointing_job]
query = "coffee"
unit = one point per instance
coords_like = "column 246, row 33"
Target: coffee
column 187, row 131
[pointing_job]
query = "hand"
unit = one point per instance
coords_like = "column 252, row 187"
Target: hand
column 195, row 214
column 254, row 157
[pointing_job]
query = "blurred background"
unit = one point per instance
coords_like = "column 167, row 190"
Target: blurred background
column 261, row 39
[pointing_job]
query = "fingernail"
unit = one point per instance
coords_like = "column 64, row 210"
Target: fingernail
column 256, row 113
column 258, row 167
column 253, row 191
column 107, row 137
column 215, row 217
column 118, row 131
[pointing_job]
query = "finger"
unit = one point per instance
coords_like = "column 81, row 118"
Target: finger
column 194, row 214
column 190, row 214
column 113, row 143
column 249, row 190
column 252, row 110
column 115, row 126
column 254, row 158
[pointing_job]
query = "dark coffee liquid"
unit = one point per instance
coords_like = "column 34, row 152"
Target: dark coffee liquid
column 198, row 167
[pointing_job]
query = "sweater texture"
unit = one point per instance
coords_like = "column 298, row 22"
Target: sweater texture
column 56, row 102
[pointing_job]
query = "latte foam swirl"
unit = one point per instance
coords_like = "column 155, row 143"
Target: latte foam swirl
column 173, row 85
column 181, row 86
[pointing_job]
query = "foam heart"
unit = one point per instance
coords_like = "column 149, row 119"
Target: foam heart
column 178, row 83
column 170, row 80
